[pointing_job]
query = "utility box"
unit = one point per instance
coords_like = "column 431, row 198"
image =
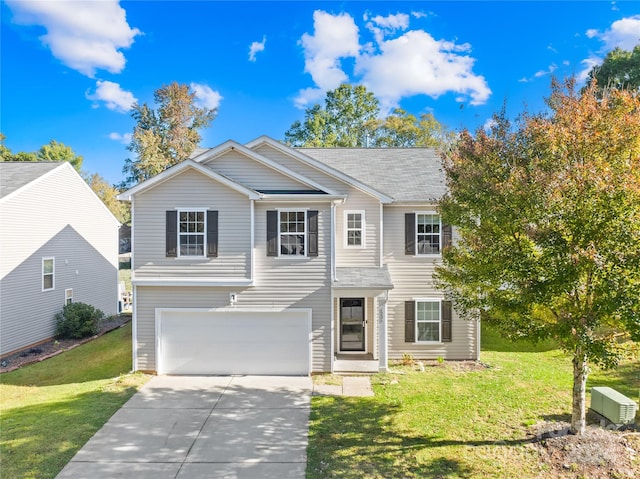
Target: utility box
column 614, row 406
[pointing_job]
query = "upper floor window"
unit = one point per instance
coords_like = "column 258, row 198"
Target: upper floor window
column 428, row 233
column 191, row 233
column 354, row 228
column 48, row 272
column 425, row 235
column 293, row 237
column 292, row 233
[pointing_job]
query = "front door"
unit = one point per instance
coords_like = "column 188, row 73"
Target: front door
column 352, row 324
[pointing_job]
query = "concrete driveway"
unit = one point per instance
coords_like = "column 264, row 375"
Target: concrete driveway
column 203, row 427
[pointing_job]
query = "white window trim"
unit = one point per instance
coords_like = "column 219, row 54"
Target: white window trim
column 428, row 300
column 428, row 255
column 67, row 297
column 362, row 229
column 204, row 234
column 306, row 234
column 53, row 273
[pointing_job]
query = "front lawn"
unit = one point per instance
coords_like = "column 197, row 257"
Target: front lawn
column 451, row 421
column 49, row 410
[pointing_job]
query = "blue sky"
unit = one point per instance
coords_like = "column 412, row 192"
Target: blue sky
column 70, row 70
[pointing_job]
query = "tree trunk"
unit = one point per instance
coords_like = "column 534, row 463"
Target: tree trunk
column 578, row 412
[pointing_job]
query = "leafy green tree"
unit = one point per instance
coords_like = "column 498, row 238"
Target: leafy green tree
column 548, row 216
column 620, row 69
column 108, row 194
column 348, row 119
column 404, row 130
column 54, row 151
column 167, row 135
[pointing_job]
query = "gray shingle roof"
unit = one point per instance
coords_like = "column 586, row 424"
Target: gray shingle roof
column 15, row 175
column 363, row 278
column 405, row 174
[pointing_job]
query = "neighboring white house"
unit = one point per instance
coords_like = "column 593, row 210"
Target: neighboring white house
column 265, row 259
column 58, row 244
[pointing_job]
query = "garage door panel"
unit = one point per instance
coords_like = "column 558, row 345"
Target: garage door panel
column 224, row 342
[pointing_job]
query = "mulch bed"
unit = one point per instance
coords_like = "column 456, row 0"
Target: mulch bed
column 56, row 346
column 599, row 453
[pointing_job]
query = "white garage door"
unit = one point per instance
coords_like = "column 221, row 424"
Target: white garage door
column 234, row 342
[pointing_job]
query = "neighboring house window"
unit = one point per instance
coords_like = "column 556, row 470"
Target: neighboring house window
column 354, row 229
column 292, row 233
column 68, row 296
column 425, row 235
column 427, row 321
column 192, row 233
column 48, row 271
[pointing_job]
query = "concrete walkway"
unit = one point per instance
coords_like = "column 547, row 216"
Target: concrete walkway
column 352, row 386
column 179, row 427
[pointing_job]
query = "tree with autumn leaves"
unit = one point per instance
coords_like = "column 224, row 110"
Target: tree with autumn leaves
column 548, row 216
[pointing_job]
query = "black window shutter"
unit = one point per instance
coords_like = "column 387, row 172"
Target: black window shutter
column 410, row 234
column 447, row 236
column 212, row 234
column 171, row 230
column 312, row 233
column 446, row 321
column 272, row 233
column 409, row 321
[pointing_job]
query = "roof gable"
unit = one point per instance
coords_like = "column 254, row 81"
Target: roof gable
column 329, row 170
column 17, row 175
column 209, row 157
column 179, row 168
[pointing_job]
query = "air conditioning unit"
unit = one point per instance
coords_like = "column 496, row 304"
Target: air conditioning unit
column 614, row 406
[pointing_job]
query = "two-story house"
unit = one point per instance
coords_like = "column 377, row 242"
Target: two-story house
column 266, row 259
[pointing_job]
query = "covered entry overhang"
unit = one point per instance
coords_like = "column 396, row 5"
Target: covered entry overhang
column 359, row 299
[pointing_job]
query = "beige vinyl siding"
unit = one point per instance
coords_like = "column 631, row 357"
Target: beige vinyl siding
column 59, row 217
column 253, row 174
column 412, row 278
column 356, row 200
column 279, row 283
column 354, row 256
column 192, row 189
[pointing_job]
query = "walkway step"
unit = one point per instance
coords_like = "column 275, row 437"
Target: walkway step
column 352, row 386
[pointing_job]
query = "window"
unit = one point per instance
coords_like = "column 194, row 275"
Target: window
column 191, row 232
column 68, row 296
column 428, row 321
column 48, row 271
column 354, row 229
column 428, row 233
column 292, row 233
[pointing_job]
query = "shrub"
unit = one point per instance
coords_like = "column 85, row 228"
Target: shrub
column 78, row 320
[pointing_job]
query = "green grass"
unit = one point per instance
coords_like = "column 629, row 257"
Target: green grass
column 50, row 409
column 124, row 274
column 447, row 422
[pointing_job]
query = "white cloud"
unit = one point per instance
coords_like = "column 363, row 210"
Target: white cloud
column 206, row 97
column 335, row 37
column 490, row 123
column 85, row 36
column 124, row 138
column 416, row 63
column 114, row 97
column 623, row 33
column 383, row 26
column 412, row 63
column 255, row 48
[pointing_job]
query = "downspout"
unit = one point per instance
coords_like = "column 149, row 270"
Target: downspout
column 134, row 302
column 333, row 279
column 253, row 240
